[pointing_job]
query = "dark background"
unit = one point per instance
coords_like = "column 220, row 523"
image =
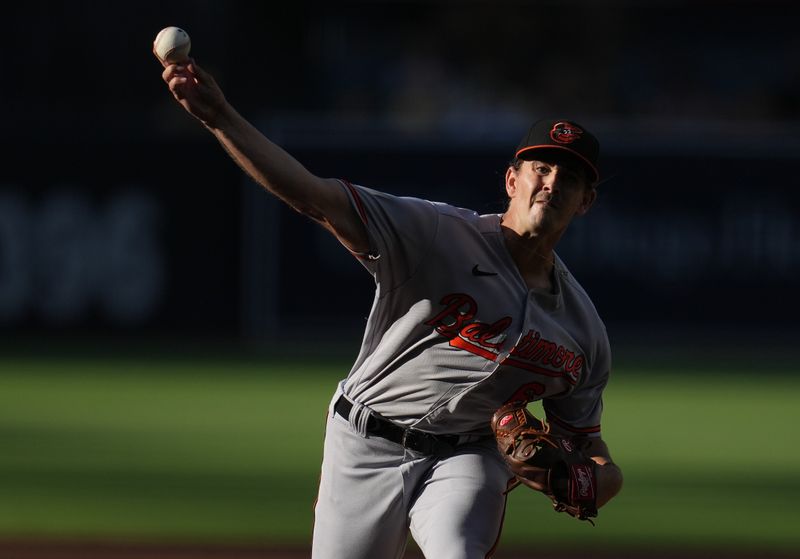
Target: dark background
column 121, row 218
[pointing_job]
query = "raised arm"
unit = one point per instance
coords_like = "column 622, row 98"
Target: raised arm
column 323, row 200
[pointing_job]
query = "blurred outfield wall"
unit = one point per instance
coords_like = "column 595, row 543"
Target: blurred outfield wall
column 119, row 215
column 94, row 243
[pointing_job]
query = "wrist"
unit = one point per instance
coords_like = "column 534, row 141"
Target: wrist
column 220, row 119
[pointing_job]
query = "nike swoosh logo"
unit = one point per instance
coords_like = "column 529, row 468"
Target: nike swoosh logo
column 477, row 272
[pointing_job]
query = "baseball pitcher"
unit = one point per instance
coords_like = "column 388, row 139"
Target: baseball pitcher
column 474, row 316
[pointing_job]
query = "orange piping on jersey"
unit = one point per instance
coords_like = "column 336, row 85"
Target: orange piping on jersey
column 573, row 152
column 533, row 368
column 461, row 343
column 567, row 426
column 359, row 204
column 362, row 256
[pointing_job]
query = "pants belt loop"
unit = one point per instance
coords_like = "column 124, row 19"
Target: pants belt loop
column 359, row 418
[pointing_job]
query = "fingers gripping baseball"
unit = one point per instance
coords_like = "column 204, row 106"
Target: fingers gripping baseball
column 195, row 89
column 182, row 80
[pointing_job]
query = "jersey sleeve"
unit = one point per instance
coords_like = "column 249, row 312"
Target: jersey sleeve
column 579, row 413
column 401, row 231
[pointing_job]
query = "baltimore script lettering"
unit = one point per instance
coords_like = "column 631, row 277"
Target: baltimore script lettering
column 455, row 322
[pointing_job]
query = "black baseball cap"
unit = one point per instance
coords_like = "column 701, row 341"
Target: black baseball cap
column 566, row 135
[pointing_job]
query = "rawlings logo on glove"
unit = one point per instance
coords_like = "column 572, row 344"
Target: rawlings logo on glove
column 546, row 462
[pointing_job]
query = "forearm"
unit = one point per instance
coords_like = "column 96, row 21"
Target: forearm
column 323, row 200
column 267, row 163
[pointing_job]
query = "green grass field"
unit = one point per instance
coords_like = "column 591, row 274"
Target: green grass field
column 229, row 451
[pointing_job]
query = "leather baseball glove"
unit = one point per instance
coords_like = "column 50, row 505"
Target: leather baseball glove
column 546, row 462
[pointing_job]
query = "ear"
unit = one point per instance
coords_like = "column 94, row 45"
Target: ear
column 589, row 196
column 511, row 181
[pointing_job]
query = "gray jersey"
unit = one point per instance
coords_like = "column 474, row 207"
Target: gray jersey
column 454, row 331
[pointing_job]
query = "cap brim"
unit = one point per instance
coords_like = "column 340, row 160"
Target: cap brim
column 588, row 163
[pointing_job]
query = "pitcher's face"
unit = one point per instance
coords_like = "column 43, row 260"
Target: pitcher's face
column 545, row 196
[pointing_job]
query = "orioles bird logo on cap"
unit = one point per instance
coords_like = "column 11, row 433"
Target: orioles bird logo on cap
column 565, row 133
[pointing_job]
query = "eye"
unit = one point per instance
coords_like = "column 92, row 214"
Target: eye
column 571, row 179
column 575, row 179
column 541, row 169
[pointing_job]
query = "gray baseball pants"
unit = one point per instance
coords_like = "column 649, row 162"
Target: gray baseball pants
column 373, row 491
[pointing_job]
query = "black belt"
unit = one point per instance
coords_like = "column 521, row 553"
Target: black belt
column 412, row 439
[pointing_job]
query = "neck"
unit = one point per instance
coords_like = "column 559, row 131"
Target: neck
column 533, row 256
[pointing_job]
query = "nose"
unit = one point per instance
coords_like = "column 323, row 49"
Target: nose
column 553, row 179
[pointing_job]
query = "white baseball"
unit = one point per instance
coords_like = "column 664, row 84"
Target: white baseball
column 172, row 45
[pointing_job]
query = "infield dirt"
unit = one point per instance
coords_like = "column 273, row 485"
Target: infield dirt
column 21, row 549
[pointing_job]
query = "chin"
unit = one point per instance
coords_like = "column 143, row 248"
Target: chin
column 544, row 226
column 540, row 221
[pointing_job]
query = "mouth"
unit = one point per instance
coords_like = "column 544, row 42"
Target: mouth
column 547, row 203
